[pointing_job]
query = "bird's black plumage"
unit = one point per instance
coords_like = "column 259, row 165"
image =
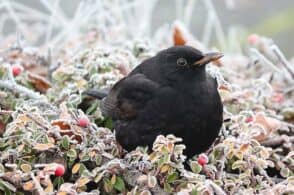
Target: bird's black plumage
column 170, row 93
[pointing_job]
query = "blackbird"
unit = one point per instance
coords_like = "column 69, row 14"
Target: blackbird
column 170, row 93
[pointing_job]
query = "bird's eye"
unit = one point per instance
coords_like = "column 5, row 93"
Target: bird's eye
column 182, row 62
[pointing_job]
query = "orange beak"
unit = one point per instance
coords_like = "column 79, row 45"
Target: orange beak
column 209, row 57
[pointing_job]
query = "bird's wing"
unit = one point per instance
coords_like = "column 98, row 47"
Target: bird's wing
column 128, row 96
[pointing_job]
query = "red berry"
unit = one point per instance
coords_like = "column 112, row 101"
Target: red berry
column 59, row 170
column 202, row 159
column 83, row 122
column 253, row 39
column 249, row 119
column 16, row 70
column 278, row 98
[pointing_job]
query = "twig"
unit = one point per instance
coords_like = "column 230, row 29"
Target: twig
column 265, row 60
column 37, row 122
column 15, row 17
column 219, row 32
column 20, row 89
column 188, row 12
column 218, row 190
column 283, row 60
column 37, row 185
column 5, row 112
column 276, row 141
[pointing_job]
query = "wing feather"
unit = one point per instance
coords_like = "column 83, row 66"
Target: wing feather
column 128, row 96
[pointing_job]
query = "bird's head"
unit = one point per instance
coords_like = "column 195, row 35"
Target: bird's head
column 188, row 57
column 184, row 62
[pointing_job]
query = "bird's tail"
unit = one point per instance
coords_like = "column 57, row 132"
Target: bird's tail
column 97, row 93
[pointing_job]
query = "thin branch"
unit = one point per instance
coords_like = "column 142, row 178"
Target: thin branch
column 283, row 60
column 265, row 60
column 37, row 185
column 276, row 141
column 37, row 122
column 6, row 112
column 20, row 89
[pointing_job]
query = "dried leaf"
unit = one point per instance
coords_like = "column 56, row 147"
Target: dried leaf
column 270, row 125
column 23, row 118
column 244, row 148
column 64, row 114
column 51, row 140
column 26, row 167
column 76, row 168
column 152, row 181
column 164, row 168
column 170, row 146
column 113, row 179
column 142, row 179
column 81, row 83
column 28, row 186
column 82, row 181
column 39, row 82
column 44, row 147
column 178, row 37
column 20, row 148
column 2, row 127
column 239, row 164
column 62, row 124
column 99, row 177
column 288, row 113
column 107, row 185
column 145, row 192
column 61, row 193
column 50, row 187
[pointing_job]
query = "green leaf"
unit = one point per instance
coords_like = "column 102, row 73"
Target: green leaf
column 99, row 177
column 119, row 184
column 196, row 168
column 65, row 142
column 85, row 157
column 108, row 123
column 167, row 188
column 98, row 159
column 2, row 168
column 7, row 187
column 194, row 192
column 58, row 181
column 93, row 107
column 172, row 177
column 82, row 169
column 107, row 185
column 72, row 153
column 239, row 164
